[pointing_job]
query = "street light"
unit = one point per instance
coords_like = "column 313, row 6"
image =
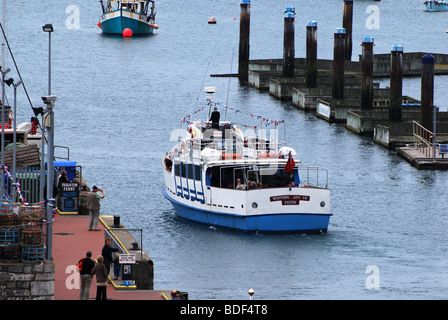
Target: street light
column 46, row 28
column 50, row 134
column 49, row 28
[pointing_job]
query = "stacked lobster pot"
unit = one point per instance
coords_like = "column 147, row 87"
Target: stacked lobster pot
column 21, row 232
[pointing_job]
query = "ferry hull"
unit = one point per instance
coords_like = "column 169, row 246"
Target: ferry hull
column 262, row 223
column 114, row 23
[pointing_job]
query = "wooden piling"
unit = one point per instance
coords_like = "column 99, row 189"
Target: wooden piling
column 243, row 60
column 347, row 22
column 288, row 43
column 338, row 63
column 427, row 92
column 396, row 83
column 311, row 54
column 367, row 73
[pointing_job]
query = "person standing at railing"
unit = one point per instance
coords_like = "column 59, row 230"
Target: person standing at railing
column 214, row 118
column 93, row 204
column 107, row 254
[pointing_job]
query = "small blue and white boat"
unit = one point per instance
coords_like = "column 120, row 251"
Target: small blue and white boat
column 435, row 5
column 277, row 194
column 136, row 15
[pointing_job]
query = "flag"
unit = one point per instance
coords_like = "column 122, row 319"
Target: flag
column 290, row 164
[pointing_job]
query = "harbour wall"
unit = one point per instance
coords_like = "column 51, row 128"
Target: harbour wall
column 24, row 281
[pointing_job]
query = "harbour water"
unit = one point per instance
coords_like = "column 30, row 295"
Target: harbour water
column 119, row 101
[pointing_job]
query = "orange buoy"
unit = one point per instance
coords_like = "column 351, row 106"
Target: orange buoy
column 99, row 25
column 155, row 26
column 127, row 32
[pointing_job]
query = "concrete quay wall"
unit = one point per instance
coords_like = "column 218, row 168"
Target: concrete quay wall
column 25, row 281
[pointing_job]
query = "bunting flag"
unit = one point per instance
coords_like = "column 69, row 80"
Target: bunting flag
column 265, row 121
column 19, row 190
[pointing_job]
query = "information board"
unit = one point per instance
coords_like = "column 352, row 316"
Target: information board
column 69, row 195
column 127, row 258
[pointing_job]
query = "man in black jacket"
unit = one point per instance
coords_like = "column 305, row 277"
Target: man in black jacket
column 86, row 276
column 214, row 118
column 107, row 254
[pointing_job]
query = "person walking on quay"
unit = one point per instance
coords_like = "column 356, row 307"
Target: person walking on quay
column 107, row 254
column 86, row 276
column 93, row 204
column 99, row 270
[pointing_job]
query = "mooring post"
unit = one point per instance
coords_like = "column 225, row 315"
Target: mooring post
column 396, row 83
column 243, row 60
column 367, row 73
column 288, row 42
column 311, row 54
column 427, row 92
column 347, row 22
column 338, row 63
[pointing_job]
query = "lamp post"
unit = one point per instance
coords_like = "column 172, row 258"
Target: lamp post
column 49, row 28
column 2, row 172
column 14, row 155
column 46, row 28
column 49, row 125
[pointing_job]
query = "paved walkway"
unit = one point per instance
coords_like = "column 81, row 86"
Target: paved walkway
column 71, row 241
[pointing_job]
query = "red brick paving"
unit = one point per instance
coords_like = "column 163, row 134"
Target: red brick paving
column 71, row 241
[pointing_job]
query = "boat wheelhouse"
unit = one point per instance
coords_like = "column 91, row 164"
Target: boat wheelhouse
column 137, row 15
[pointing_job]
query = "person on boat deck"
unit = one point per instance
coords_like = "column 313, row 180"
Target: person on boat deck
column 168, row 164
column 251, row 185
column 214, row 118
column 239, row 185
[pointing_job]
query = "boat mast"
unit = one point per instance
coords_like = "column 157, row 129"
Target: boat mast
column 210, row 91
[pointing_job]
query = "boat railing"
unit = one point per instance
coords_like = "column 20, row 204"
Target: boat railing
column 231, row 149
column 311, row 176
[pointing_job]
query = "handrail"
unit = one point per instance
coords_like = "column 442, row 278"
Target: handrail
column 249, row 149
column 422, row 139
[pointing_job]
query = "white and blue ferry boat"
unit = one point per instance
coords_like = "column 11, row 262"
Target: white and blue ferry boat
column 435, row 5
column 137, row 15
column 235, row 177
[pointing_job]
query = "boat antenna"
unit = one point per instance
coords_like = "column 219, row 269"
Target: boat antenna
column 228, row 87
column 210, row 91
column 206, row 71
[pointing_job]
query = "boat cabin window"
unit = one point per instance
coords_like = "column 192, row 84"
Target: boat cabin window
column 190, row 170
column 263, row 177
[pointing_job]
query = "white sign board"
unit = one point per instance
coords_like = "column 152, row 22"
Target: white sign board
column 324, row 110
column 127, row 258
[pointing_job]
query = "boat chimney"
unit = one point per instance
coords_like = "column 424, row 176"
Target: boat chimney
column 367, row 73
column 243, row 60
column 338, row 63
column 311, row 54
column 396, row 83
column 288, row 42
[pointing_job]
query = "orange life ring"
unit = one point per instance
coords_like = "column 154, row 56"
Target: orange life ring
column 233, row 156
column 266, row 155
